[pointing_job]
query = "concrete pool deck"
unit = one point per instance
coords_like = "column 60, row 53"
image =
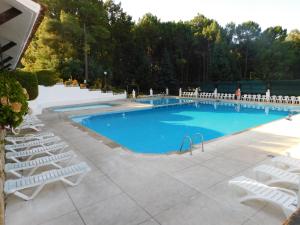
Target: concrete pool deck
column 125, row 188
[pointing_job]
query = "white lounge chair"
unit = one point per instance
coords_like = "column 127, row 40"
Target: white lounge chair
column 286, row 99
column 33, row 165
column 29, row 137
column 273, row 98
column 244, row 97
column 279, row 99
column 263, row 98
column 25, row 126
column 40, row 180
column 274, row 175
column 31, row 119
column 254, row 190
column 29, row 154
column 31, row 144
column 287, row 163
column 293, row 99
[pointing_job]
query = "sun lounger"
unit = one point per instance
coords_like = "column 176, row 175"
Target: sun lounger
column 31, row 119
column 24, row 126
column 29, row 154
column 273, row 98
column 29, row 137
column 263, row 98
column 31, row 144
column 276, row 175
column 40, row 180
column 279, row 99
column 288, row 163
column 254, row 190
column 33, row 165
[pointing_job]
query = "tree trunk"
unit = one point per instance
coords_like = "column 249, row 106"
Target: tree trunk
column 2, row 175
column 246, row 63
column 86, row 72
column 203, row 65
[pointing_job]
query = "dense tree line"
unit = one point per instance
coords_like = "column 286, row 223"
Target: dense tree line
column 156, row 54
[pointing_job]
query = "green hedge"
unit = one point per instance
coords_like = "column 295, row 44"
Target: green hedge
column 285, row 87
column 253, row 86
column 28, row 81
column 47, row 77
column 227, row 87
column 277, row 87
column 13, row 101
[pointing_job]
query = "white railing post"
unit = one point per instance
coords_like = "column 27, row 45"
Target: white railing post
column 167, row 91
column 151, row 92
column 180, row 92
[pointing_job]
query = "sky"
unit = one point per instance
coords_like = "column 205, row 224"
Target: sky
column 265, row 12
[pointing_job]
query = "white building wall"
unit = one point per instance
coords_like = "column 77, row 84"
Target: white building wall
column 59, row 95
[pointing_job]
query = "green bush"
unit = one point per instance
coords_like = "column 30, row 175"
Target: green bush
column 13, row 101
column 47, row 77
column 28, row 81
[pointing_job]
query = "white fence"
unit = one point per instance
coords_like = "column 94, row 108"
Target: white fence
column 59, row 95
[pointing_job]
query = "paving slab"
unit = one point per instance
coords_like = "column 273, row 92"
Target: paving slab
column 72, row 218
column 117, row 210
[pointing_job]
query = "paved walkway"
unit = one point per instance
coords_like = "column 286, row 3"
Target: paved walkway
column 133, row 189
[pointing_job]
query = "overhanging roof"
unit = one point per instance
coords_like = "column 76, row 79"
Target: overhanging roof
column 17, row 22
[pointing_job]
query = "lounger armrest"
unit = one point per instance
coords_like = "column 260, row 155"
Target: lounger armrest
column 288, row 191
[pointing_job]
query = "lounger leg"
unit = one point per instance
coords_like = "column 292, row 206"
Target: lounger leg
column 79, row 179
column 56, row 165
column 15, row 160
column 16, row 174
column 26, row 197
column 32, row 171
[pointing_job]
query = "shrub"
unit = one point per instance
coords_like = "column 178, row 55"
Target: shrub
column 28, row 81
column 97, row 84
column 13, row 101
column 47, row 77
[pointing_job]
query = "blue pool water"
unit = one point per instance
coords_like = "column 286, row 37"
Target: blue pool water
column 81, row 107
column 162, row 101
column 161, row 130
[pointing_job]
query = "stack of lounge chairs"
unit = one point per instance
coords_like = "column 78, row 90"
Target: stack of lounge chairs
column 188, row 94
column 245, row 97
column 36, row 159
column 276, row 184
column 273, row 98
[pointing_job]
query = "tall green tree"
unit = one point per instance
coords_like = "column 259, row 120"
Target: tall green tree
column 246, row 35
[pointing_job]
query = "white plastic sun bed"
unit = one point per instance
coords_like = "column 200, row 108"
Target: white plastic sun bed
column 288, row 163
column 30, row 144
column 277, row 176
column 33, row 165
column 29, row 137
column 24, row 126
column 40, row 180
column 29, row 154
column 254, row 190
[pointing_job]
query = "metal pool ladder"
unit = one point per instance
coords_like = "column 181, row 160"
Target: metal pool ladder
column 201, row 139
column 187, row 137
column 190, row 140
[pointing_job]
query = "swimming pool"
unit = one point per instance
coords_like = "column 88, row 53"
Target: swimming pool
column 80, row 107
column 163, row 101
column 161, row 130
